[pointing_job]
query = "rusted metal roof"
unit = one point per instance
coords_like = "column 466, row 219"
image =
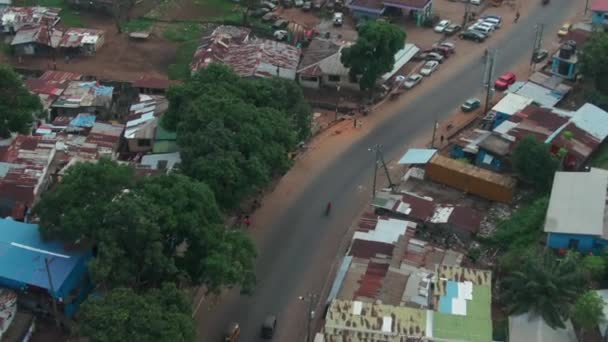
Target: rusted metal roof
column 318, row 50
column 214, row 46
column 264, row 58
column 77, row 37
column 17, row 17
column 85, row 94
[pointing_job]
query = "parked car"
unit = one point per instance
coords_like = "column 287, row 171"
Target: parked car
column 307, row 6
column 260, row 12
column 476, row 2
column 279, row 24
column 539, row 55
column 269, row 326
column 280, row 35
column 492, row 16
column 505, row 80
column 287, row 3
column 338, row 19
column 269, row 5
column 444, row 51
column 434, row 56
column 453, row 28
column 496, row 22
column 441, row 26
column 475, row 36
column 232, row 332
column 485, row 29
column 564, row 29
column 428, row 68
column 470, row 105
column 412, row 81
column 270, row 17
column 299, row 3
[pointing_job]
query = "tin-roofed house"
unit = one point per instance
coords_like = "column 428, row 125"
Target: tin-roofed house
column 12, row 19
column 84, row 97
column 81, row 41
column 576, row 217
column 37, row 40
column 142, row 122
column 27, row 257
column 50, row 86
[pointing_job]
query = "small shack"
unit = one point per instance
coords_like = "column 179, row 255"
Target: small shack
column 471, row 179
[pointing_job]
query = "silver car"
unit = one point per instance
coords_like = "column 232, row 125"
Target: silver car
column 429, row 67
column 412, row 81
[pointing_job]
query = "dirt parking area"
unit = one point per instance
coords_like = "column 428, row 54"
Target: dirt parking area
column 118, row 59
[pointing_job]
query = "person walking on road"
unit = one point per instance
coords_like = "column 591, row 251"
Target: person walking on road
column 516, row 16
column 247, row 221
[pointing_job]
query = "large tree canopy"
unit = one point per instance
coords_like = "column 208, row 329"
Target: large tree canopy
column 374, row 52
column 17, row 105
column 162, row 315
column 594, row 60
column 234, row 134
column 148, row 231
column 544, row 286
column 534, row 163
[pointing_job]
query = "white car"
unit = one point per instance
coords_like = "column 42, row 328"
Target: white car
column 338, row 19
column 298, row 3
column 428, row 68
column 442, row 25
column 280, row 35
column 412, row 81
column 475, row 2
column 497, row 23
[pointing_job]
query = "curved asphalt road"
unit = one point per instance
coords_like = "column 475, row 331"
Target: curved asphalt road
column 300, row 234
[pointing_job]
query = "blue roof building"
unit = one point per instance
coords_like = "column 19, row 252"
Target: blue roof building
column 22, row 265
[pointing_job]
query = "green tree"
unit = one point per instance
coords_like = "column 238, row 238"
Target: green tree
column 74, row 209
column 17, row 105
column 248, row 5
column 235, row 134
column 588, row 312
column 595, row 266
column 374, row 52
column 593, row 58
column 534, row 163
column 147, row 231
column 544, row 286
column 163, row 315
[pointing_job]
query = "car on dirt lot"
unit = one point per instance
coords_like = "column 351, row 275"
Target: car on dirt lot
column 270, row 17
column 287, row 3
column 299, row 3
column 280, row 35
column 504, row 81
column 428, row 68
column 338, row 19
column 450, row 30
column 434, row 56
column 442, row 25
column 279, row 24
column 269, row 5
column 307, row 6
column 539, row 56
column 470, row 105
column 412, row 81
column 475, row 36
column 260, row 12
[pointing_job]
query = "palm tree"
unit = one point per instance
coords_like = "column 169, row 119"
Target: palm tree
column 544, row 286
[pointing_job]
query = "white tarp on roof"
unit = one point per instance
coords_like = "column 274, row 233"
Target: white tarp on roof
column 401, row 58
column 387, row 231
column 511, row 104
column 592, row 120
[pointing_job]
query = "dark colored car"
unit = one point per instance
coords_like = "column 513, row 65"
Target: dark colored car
column 473, row 35
column 287, row 3
column 452, row 29
column 539, row 56
column 446, row 50
column 268, row 327
column 259, row 12
column 279, row 24
column 470, row 105
column 504, row 81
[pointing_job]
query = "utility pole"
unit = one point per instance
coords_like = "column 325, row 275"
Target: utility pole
column 490, row 58
column 377, row 149
column 467, row 12
column 434, row 132
column 586, row 6
column 337, row 101
column 538, row 43
column 52, row 289
column 310, row 298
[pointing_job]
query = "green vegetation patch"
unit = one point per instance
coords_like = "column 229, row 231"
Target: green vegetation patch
column 601, row 158
column 138, row 25
column 183, row 32
column 180, row 70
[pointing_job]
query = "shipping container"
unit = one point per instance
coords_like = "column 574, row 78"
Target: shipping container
column 471, row 179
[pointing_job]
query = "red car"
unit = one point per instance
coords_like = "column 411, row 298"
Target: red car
column 504, row 81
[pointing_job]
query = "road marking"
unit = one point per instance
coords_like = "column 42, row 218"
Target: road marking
column 200, row 301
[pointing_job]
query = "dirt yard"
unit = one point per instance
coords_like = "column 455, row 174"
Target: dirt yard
column 118, row 59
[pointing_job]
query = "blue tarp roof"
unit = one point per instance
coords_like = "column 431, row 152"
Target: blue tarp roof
column 83, row 120
column 22, row 254
column 417, row 156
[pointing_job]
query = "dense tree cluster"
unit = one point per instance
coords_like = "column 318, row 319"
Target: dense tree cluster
column 147, row 231
column 17, row 105
column 594, row 67
column 373, row 54
column 235, row 134
column 162, row 315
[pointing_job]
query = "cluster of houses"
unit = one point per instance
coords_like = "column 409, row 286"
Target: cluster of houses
column 36, row 31
column 316, row 66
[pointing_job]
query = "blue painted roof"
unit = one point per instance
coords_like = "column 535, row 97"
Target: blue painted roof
column 83, row 120
column 417, row 156
column 22, row 254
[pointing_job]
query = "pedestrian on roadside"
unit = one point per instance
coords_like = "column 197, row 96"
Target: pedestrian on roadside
column 441, row 139
column 247, row 221
column 516, row 16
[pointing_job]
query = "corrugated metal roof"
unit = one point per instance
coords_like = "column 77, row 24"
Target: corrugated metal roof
column 592, row 120
column 544, row 97
column 417, row 156
column 85, row 94
column 599, row 5
column 402, row 57
column 578, row 203
column 511, row 104
column 215, row 46
column 263, row 58
column 474, row 171
column 77, row 37
column 317, row 50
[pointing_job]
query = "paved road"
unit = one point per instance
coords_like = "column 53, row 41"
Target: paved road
column 299, row 247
